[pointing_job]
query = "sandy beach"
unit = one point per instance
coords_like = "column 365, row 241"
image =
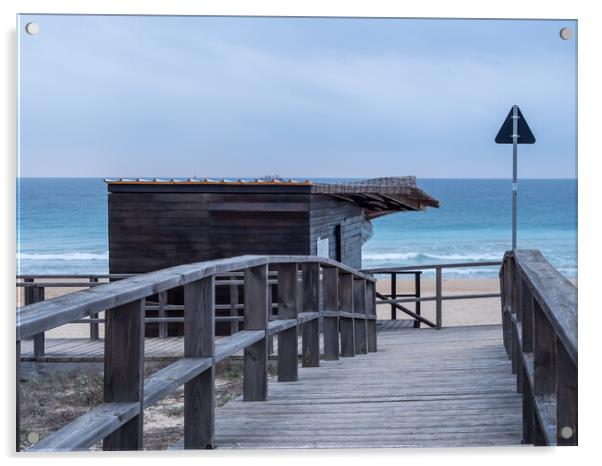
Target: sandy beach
column 455, row 312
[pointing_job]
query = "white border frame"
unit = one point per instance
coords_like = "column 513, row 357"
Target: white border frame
column 590, row 77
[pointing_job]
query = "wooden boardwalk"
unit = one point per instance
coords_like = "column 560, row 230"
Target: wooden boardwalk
column 423, row 388
column 155, row 349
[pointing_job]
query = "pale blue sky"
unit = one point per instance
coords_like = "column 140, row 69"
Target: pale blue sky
column 210, row 96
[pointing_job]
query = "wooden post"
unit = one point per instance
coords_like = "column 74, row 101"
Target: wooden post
column 331, row 303
column 417, row 294
column 346, row 324
column 233, row 309
column 32, row 295
column 566, row 397
column 438, row 299
column 527, row 322
column 393, row 295
column 39, row 339
column 544, row 364
column 310, row 302
column 288, row 309
column 528, row 410
column 162, row 297
column 94, row 325
column 506, row 292
column 199, row 394
column 514, row 356
column 371, row 311
column 255, row 383
column 124, row 370
column 270, row 315
column 359, row 308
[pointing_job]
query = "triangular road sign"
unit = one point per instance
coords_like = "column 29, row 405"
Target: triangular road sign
column 525, row 136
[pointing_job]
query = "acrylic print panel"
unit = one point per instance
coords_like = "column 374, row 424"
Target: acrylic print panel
column 204, row 166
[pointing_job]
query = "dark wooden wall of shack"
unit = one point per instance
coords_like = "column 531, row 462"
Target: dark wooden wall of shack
column 149, row 231
column 325, row 214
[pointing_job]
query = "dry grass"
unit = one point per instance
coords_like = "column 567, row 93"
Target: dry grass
column 48, row 403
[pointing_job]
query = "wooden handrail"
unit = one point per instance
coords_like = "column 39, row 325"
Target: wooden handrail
column 118, row 420
column 43, row 316
column 539, row 318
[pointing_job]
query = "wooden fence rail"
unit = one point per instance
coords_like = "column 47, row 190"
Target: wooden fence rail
column 539, row 319
column 35, row 291
column 396, row 299
column 349, row 299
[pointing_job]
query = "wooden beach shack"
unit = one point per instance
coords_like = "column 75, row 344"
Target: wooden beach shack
column 155, row 223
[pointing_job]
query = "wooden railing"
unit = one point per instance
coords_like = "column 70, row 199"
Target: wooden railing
column 35, row 287
column 348, row 308
column 539, row 316
column 396, row 299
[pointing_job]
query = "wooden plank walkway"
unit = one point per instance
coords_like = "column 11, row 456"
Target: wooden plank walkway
column 423, row 388
column 155, row 349
column 86, row 350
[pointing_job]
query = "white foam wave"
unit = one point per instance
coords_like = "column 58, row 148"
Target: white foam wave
column 67, row 256
column 394, row 256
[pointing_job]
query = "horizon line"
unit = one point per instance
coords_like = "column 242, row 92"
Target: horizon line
column 306, row 177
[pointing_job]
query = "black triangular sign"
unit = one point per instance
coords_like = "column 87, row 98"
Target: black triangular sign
column 504, row 136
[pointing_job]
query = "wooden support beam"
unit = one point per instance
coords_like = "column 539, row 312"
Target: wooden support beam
column 124, row 370
column 417, row 294
column 162, row 297
column 255, row 383
column 33, row 295
column 359, row 307
column 234, row 326
column 566, row 397
column 544, row 369
column 346, row 324
column 310, row 302
column 371, row 311
column 527, row 321
column 393, row 295
column 544, row 364
column 94, row 331
column 331, row 303
column 528, row 409
column 288, row 302
column 199, row 342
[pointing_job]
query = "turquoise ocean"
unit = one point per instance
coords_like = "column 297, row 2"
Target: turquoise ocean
column 62, row 226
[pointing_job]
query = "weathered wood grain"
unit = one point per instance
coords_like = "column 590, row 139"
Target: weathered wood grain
column 566, row 397
column 256, row 318
column 288, row 301
column 556, row 295
column 359, row 307
column 199, row 395
column 39, row 317
column 310, row 302
column 124, row 371
column 346, row 324
column 330, row 285
column 371, row 314
column 465, row 397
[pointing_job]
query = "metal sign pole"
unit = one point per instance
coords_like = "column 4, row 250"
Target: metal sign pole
column 514, row 127
column 515, row 137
